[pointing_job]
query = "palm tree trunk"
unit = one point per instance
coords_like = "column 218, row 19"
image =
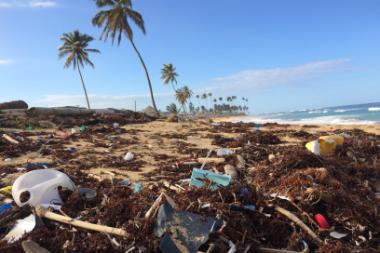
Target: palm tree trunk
column 147, row 76
column 84, row 88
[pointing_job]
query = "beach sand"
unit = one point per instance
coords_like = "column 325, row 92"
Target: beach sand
column 275, row 161
column 151, row 140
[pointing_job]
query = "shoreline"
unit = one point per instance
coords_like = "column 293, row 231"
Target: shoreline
column 370, row 128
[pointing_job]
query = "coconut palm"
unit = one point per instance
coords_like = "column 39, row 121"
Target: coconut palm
column 204, row 96
column 75, row 47
column 183, row 95
column 172, row 108
column 115, row 16
column 169, row 75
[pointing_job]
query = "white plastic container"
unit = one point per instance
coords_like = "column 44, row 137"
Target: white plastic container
column 42, row 186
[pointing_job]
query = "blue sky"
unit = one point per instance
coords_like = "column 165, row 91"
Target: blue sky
column 282, row 55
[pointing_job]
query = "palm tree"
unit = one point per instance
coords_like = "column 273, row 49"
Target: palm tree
column 204, row 96
column 75, row 47
column 172, row 108
column 115, row 17
column 191, row 108
column 183, row 95
column 220, row 99
column 169, row 75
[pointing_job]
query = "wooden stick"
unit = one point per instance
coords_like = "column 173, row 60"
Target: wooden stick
column 269, row 250
column 10, row 139
column 42, row 212
column 216, row 160
column 157, row 203
column 154, row 206
column 299, row 222
column 172, row 187
column 211, row 248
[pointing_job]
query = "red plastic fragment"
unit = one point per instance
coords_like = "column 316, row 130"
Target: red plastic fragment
column 321, row 220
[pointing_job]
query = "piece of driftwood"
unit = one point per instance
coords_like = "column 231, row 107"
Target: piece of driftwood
column 299, row 222
column 42, row 212
column 10, row 139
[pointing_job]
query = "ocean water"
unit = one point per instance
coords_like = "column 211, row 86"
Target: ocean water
column 348, row 114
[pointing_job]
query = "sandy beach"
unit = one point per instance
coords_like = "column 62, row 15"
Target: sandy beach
column 269, row 162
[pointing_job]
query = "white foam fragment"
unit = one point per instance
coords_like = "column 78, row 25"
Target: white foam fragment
column 337, row 235
column 22, row 227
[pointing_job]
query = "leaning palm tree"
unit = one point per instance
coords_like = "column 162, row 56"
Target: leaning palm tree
column 169, row 75
column 75, row 47
column 115, row 17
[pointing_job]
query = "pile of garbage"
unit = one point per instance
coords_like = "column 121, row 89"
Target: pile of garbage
column 255, row 193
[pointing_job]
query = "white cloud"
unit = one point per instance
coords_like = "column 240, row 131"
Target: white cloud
column 42, row 4
column 5, row 61
column 28, row 4
column 256, row 78
column 98, row 101
column 5, row 5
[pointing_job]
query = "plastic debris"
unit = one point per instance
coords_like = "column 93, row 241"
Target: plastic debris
column 6, row 190
column 325, row 145
column 321, row 221
column 182, row 231
column 30, row 246
column 82, row 128
column 129, row 156
column 124, row 182
column 22, row 227
column 250, row 207
column 224, row 152
column 5, row 207
column 40, row 187
column 87, row 193
column 38, row 165
column 137, row 187
column 230, row 171
column 199, row 178
column 337, row 235
column 245, row 192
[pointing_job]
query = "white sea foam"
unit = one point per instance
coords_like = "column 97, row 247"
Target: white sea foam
column 348, row 110
column 324, row 111
column 323, row 120
column 374, row 109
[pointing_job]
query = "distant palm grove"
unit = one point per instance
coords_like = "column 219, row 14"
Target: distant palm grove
column 114, row 18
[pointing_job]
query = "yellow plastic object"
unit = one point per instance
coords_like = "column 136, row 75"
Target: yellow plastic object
column 6, row 190
column 325, row 145
column 339, row 140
